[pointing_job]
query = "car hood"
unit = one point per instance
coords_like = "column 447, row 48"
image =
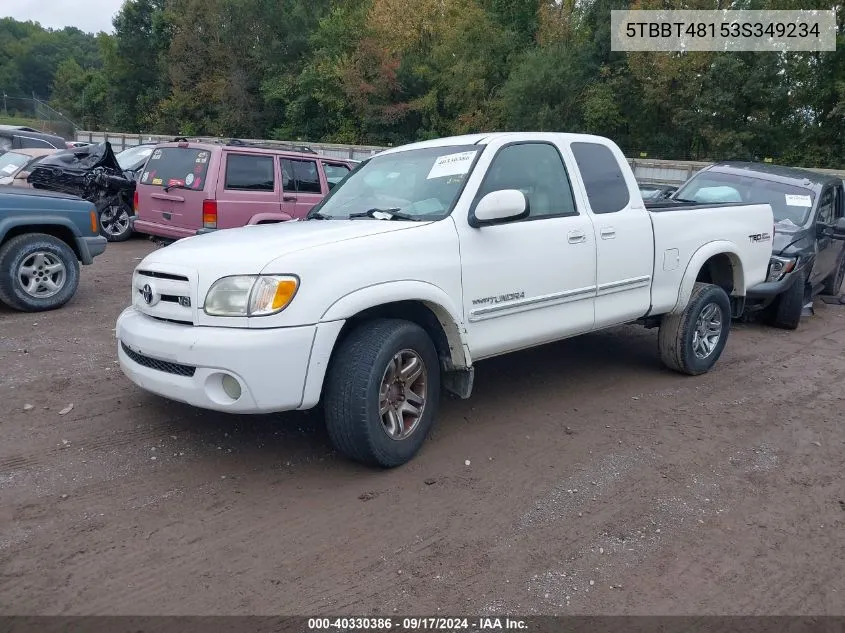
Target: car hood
column 248, row 250
column 787, row 235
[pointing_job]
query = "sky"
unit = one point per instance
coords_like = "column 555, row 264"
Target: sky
column 88, row 15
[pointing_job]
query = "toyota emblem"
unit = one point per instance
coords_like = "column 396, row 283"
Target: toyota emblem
column 147, row 293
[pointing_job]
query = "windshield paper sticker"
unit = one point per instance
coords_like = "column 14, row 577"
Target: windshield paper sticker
column 798, row 201
column 156, row 155
column 9, row 169
column 452, row 165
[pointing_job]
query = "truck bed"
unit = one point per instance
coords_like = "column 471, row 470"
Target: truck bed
column 678, row 236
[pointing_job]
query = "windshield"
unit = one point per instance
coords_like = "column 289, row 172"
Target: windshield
column 11, row 162
column 791, row 205
column 176, row 167
column 134, row 156
column 419, row 184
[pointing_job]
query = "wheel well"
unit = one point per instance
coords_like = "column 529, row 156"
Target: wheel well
column 440, row 327
column 720, row 270
column 61, row 232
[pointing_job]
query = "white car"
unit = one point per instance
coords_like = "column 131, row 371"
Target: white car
column 425, row 260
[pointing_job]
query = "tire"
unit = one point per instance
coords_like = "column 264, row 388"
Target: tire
column 29, row 252
column 833, row 284
column 355, row 393
column 679, row 336
column 785, row 311
column 114, row 220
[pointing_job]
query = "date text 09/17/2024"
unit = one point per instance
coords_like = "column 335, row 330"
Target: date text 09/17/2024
column 417, row 624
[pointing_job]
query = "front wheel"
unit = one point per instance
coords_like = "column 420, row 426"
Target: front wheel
column 115, row 223
column 833, row 283
column 785, row 311
column 382, row 392
column 691, row 342
column 37, row 272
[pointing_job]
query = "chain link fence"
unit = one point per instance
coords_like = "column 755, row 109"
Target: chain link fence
column 35, row 113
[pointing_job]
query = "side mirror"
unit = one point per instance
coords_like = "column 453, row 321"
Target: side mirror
column 499, row 206
column 839, row 229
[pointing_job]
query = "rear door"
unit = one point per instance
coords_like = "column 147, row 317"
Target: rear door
column 623, row 233
column 248, row 187
column 185, row 171
column 301, row 184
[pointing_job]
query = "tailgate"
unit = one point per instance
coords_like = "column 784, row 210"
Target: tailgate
column 184, row 171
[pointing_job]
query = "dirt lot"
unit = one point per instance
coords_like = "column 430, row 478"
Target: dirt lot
column 599, row 483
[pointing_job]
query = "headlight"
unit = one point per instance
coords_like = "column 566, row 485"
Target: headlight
column 250, row 295
column 780, row 266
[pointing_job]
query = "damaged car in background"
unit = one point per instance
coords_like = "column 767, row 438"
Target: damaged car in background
column 808, row 249
column 96, row 174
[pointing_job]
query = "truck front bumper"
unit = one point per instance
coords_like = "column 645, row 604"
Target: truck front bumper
column 188, row 363
column 771, row 289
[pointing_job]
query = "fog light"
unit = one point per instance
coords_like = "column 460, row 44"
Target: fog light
column 232, row 387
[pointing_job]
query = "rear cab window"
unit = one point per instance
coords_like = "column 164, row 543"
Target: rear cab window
column 607, row 191
column 177, row 166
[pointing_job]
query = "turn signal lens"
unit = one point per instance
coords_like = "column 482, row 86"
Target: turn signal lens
column 94, row 226
column 271, row 294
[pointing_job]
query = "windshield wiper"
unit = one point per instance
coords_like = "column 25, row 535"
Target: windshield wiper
column 316, row 215
column 169, row 187
column 379, row 214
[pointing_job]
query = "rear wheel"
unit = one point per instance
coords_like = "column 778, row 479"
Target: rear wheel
column 37, row 272
column 691, row 342
column 382, row 392
column 785, row 311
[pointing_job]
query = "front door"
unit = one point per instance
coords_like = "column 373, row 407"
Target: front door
column 829, row 250
column 529, row 281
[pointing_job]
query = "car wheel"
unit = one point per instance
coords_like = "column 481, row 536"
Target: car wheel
column 37, row 272
column 833, row 284
column 691, row 342
column 382, row 392
column 785, row 311
column 115, row 221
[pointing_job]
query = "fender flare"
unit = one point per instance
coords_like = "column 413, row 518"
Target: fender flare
column 433, row 297
column 267, row 218
column 705, row 252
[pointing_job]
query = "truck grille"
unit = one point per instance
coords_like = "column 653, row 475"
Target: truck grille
column 160, row 365
column 164, row 294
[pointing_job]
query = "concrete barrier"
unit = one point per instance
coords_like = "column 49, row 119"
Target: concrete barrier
column 647, row 170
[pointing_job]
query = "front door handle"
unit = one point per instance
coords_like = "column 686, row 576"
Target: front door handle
column 576, row 237
column 289, row 198
column 608, row 233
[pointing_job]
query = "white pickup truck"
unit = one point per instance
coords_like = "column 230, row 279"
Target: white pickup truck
column 426, row 259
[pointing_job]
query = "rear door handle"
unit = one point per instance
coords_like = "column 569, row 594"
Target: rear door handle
column 608, row 233
column 576, row 237
column 289, row 198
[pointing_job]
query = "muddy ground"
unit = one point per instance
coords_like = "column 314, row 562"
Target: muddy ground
column 598, row 483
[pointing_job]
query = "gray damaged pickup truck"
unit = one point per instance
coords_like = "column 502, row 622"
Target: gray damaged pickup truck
column 43, row 238
column 808, row 249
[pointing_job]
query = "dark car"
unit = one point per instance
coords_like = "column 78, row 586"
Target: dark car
column 652, row 192
column 43, row 238
column 22, row 137
column 94, row 172
column 808, row 245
